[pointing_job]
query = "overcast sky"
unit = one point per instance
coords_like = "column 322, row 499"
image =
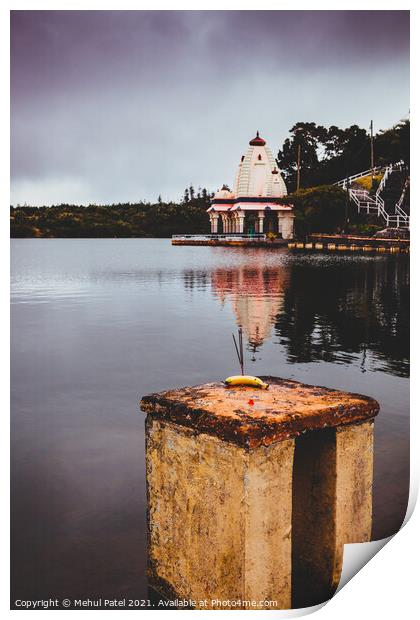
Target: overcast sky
column 112, row 106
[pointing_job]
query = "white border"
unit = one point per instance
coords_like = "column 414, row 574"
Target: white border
column 387, row 585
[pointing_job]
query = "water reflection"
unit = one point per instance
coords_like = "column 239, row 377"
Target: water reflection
column 331, row 310
column 256, row 295
column 339, row 309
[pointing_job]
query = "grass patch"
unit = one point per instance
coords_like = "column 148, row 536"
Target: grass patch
column 366, row 182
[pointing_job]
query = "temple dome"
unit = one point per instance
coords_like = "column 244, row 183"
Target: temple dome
column 258, row 174
column 224, row 193
column 257, row 141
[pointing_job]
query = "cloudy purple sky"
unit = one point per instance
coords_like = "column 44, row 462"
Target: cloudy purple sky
column 125, row 105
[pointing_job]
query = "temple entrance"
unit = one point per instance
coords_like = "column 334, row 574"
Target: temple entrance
column 251, row 225
column 270, row 223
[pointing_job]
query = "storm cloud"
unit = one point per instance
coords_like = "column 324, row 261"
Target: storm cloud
column 111, row 106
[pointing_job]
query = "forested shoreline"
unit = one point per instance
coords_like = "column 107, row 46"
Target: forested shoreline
column 142, row 219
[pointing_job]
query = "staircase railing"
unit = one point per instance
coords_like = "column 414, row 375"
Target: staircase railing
column 376, row 204
column 363, row 200
column 359, row 175
column 398, row 207
column 381, row 209
column 384, row 179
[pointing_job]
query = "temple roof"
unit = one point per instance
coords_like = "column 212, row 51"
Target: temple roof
column 257, row 141
column 224, row 194
column 258, row 174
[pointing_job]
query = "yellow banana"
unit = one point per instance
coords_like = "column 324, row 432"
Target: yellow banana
column 246, row 380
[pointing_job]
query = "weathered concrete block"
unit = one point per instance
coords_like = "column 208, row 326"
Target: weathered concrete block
column 219, row 516
column 223, row 489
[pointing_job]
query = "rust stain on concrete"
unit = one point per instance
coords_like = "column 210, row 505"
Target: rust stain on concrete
column 286, row 410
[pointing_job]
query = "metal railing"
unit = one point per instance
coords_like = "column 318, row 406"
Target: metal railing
column 359, row 175
column 363, row 201
column 384, row 179
column 398, row 207
column 376, row 204
column 381, row 209
column 401, row 219
column 343, row 182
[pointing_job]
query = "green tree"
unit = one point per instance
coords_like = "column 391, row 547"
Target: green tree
column 318, row 209
column 308, row 137
column 330, row 154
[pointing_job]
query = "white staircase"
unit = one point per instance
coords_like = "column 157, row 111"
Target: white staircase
column 375, row 204
column 354, row 177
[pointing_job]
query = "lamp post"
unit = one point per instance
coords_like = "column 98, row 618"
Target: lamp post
column 347, row 208
column 372, row 163
column 298, row 168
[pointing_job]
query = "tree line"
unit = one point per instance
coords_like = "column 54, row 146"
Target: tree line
column 139, row 219
column 328, row 154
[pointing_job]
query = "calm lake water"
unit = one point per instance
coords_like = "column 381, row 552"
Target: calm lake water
column 96, row 324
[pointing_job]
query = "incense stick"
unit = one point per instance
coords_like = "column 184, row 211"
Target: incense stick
column 239, row 349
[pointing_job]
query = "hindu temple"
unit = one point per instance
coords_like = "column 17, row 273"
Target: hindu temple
column 253, row 207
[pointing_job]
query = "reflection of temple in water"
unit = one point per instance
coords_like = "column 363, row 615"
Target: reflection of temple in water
column 256, row 294
column 335, row 310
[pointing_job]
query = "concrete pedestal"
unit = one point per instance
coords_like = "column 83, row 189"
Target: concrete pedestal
column 236, row 513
